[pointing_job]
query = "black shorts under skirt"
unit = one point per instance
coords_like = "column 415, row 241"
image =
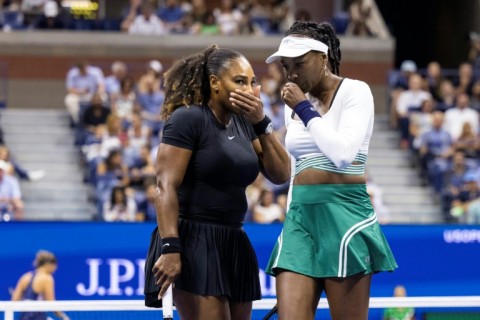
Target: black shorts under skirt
column 218, row 260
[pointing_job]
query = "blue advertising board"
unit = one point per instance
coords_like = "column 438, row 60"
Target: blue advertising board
column 106, row 260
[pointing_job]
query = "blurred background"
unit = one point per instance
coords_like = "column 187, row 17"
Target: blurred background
column 81, row 92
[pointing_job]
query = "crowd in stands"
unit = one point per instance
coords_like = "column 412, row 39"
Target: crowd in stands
column 153, row 17
column 437, row 114
column 11, row 203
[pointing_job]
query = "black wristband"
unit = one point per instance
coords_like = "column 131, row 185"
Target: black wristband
column 261, row 127
column 171, row 245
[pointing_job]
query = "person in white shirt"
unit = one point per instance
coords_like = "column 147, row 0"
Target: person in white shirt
column 11, row 204
column 331, row 240
column 457, row 116
column 147, row 23
column 82, row 82
column 410, row 100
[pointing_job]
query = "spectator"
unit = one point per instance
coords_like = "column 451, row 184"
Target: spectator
column 50, row 18
column 120, row 207
column 172, row 16
column 267, row 210
column 147, row 23
column 408, row 101
column 463, row 82
column 454, row 180
column 11, row 204
column 474, row 52
column 435, row 151
column 111, row 172
column 259, row 15
column 420, row 122
column 469, row 143
column 469, row 193
column 129, row 13
column 138, row 135
column 114, row 138
column 197, row 16
column 209, row 26
column 146, row 206
column 398, row 83
column 119, row 71
column 434, row 77
column 96, row 114
column 82, row 82
column 11, row 15
column 142, row 168
column 475, row 99
column 272, row 81
column 124, row 102
column 282, row 16
column 399, row 313
column 16, row 169
column 456, row 117
column 446, row 95
column 105, row 140
column 150, row 103
column 32, row 7
column 154, row 69
column 229, row 19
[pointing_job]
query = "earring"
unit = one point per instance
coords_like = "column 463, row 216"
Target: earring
column 326, row 71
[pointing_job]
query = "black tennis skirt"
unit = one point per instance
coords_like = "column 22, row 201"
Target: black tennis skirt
column 218, row 260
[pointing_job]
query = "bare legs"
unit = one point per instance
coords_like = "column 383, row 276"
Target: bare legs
column 195, row 307
column 298, row 296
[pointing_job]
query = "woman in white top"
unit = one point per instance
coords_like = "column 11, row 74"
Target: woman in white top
column 331, row 241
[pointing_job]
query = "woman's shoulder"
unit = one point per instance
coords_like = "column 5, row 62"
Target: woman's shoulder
column 185, row 121
column 188, row 112
column 355, row 88
column 354, row 84
column 26, row 277
column 44, row 277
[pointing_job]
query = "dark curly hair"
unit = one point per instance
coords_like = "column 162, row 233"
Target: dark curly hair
column 323, row 32
column 187, row 82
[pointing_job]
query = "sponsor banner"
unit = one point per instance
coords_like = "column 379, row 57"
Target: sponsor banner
column 106, row 260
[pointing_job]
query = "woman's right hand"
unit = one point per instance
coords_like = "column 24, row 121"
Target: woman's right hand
column 292, row 94
column 166, row 270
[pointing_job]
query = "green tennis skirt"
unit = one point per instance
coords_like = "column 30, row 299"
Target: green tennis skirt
column 331, row 230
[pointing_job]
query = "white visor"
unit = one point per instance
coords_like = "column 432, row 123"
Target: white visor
column 291, row 47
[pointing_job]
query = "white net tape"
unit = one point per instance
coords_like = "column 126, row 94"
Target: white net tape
column 9, row 307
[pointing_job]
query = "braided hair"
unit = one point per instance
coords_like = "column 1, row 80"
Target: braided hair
column 188, row 81
column 323, row 32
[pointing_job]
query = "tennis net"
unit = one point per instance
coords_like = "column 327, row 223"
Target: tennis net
column 428, row 308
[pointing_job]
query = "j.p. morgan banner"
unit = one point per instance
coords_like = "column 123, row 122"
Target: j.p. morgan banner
column 106, row 260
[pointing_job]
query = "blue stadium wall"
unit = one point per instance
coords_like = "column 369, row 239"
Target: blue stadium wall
column 106, row 260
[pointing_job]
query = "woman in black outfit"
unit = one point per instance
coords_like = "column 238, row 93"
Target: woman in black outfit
column 215, row 142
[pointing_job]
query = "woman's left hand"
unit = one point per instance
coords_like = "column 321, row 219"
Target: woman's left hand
column 247, row 104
